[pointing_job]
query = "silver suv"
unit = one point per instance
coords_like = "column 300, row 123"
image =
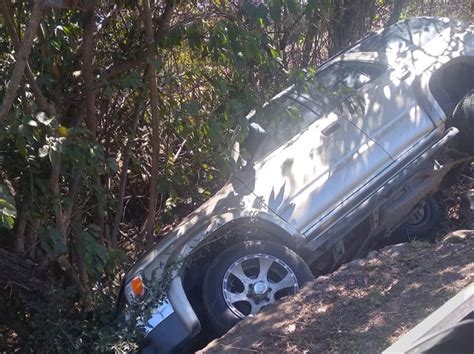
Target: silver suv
column 327, row 172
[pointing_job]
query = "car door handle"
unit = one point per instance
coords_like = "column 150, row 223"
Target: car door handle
column 331, row 128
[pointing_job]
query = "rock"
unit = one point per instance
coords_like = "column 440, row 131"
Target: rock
column 355, row 264
column 458, row 236
column 398, row 249
column 372, row 255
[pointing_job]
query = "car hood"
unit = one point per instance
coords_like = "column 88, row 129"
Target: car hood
column 233, row 200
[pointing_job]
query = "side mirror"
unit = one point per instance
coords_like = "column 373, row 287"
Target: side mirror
column 254, row 139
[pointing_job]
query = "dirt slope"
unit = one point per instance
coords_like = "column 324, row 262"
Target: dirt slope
column 362, row 307
column 367, row 304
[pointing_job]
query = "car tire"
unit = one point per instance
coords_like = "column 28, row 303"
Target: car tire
column 421, row 222
column 464, row 120
column 248, row 276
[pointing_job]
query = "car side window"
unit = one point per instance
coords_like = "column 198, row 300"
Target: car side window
column 282, row 120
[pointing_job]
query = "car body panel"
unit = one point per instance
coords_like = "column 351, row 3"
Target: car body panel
column 390, row 107
column 314, row 171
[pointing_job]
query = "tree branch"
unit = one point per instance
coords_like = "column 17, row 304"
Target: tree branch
column 120, row 68
column 87, row 67
column 22, row 57
column 123, row 177
column 40, row 99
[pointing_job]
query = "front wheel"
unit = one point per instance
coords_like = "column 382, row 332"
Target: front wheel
column 247, row 277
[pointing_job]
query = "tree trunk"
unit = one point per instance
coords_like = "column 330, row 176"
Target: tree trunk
column 79, row 249
column 20, row 231
column 88, row 68
column 396, row 11
column 155, row 125
column 310, row 37
column 123, row 178
column 31, row 237
column 348, row 22
column 91, row 114
column 21, row 59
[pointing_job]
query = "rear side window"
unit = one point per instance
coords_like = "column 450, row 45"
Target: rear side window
column 348, row 74
column 288, row 116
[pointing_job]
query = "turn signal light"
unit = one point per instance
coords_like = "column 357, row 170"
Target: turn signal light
column 137, row 286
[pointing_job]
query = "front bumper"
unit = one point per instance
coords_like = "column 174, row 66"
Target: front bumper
column 172, row 323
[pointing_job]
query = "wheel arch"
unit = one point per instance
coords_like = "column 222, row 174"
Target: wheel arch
column 452, row 81
column 238, row 230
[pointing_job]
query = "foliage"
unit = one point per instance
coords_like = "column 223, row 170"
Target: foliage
column 61, row 324
column 7, row 208
column 75, row 174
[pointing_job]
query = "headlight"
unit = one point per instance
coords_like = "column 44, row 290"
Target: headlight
column 135, row 289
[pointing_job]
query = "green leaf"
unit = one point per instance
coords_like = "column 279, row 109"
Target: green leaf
column 275, row 53
column 293, row 113
column 293, row 6
column 275, row 7
column 133, row 79
column 191, row 107
column 7, row 208
column 310, row 6
column 258, row 14
column 52, row 242
column 326, row 5
column 111, row 164
column 195, row 37
column 7, row 222
column 214, row 131
column 174, row 37
column 94, row 253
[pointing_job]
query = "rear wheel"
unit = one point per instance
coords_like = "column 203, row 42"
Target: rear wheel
column 247, row 277
column 464, row 120
column 421, row 223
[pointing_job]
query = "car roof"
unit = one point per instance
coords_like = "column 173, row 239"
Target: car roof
column 403, row 35
column 413, row 32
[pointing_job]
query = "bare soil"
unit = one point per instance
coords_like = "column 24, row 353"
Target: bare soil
column 367, row 304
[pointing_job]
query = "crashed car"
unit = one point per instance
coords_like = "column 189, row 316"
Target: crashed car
column 327, row 172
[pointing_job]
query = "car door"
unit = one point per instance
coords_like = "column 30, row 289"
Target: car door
column 387, row 109
column 305, row 178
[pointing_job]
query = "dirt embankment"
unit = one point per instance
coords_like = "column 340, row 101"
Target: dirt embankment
column 367, row 304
